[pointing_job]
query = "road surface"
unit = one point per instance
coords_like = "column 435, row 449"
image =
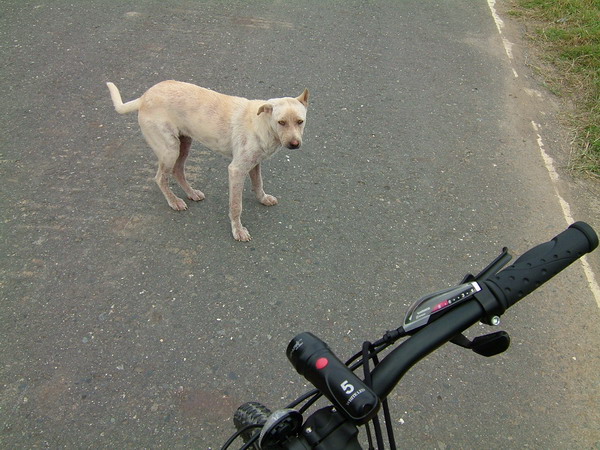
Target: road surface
column 128, row 325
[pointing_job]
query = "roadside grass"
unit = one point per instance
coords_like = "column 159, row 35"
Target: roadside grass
column 567, row 32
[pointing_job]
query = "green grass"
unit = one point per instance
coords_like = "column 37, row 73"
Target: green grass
column 568, row 34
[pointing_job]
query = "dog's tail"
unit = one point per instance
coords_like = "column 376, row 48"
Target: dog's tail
column 122, row 108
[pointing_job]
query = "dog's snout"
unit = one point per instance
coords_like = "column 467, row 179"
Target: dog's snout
column 294, row 144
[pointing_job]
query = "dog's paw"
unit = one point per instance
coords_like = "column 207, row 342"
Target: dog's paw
column 241, row 234
column 269, row 200
column 178, row 205
column 196, row 195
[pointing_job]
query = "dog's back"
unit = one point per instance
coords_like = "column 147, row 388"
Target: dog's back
column 194, row 111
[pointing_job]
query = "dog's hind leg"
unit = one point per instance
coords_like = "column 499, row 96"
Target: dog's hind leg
column 185, row 143
column 166, row 147
column 165, row 168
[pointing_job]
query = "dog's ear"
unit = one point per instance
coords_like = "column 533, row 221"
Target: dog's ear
column 303, row 98
column 266, row 108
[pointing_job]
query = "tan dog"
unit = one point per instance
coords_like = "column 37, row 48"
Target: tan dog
column 172, row 113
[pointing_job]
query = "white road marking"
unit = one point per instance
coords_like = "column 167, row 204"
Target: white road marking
column 549, row 162
column 505, row 42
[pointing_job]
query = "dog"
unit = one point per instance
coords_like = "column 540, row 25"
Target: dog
column 172, row 113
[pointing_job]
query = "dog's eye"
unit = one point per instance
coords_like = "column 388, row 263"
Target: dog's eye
column 300, row 121
column 283, row 123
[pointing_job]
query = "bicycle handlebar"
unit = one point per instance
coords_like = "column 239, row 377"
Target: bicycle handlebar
column 499, row 292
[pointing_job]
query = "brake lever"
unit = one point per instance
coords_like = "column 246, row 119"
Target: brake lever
column 494, row 267
column 487, row 345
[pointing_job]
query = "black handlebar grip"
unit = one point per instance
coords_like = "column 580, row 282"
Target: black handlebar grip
column 541, row 263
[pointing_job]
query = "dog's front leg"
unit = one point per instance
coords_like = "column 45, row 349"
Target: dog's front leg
column 236, row 189
column 257, row 187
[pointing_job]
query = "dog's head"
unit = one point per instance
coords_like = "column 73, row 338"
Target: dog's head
column 287, row 117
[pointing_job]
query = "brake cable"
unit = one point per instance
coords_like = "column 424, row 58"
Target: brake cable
column 366, row 355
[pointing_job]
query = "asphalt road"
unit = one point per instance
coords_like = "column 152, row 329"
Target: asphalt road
column 128, row 325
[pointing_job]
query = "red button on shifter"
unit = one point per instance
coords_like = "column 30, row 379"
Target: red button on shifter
column 321, row 363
